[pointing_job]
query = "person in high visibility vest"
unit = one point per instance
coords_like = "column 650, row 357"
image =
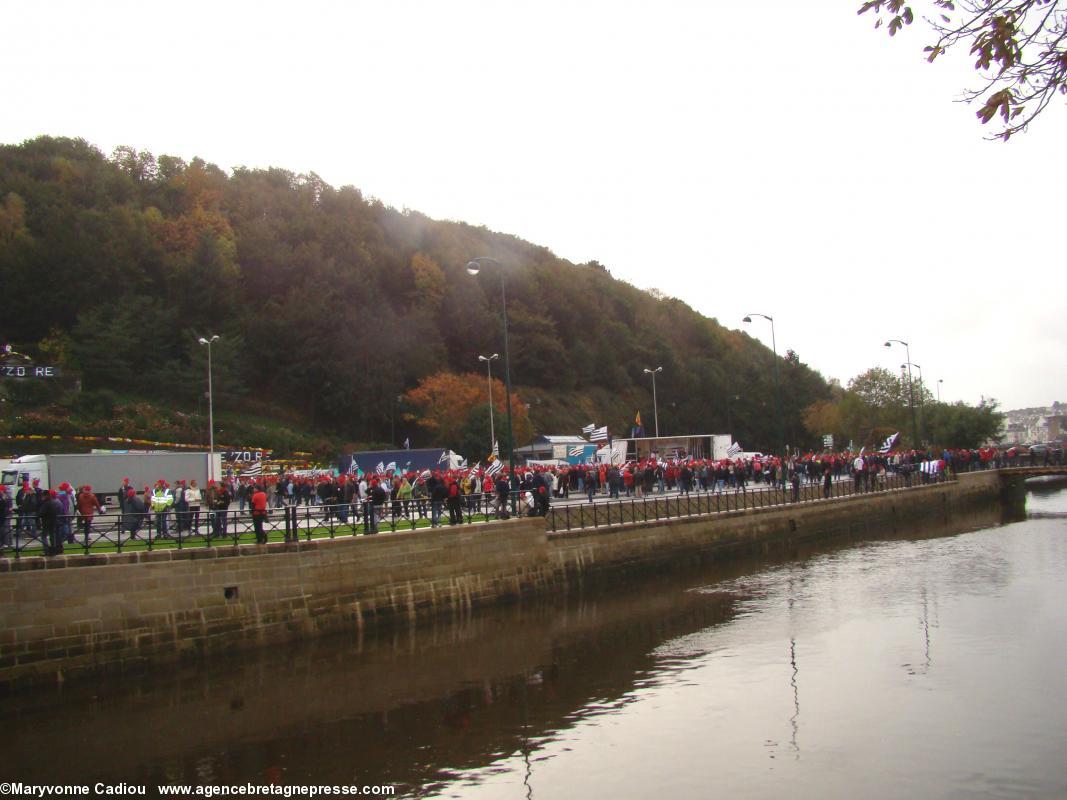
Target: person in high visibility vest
column 162, row 500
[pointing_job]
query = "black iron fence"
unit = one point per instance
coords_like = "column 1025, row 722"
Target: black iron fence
column 122, row 532
column 721, row 498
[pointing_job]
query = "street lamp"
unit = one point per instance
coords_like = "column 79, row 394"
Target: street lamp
column 474, row 266
column 777, row 384
column 911, row 394
column 922, row 400
column 655, row 406
column 210, row 408
column 492, row 434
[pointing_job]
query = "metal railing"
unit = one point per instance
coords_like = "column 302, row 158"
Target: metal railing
column 721, row 499
column 28, row 535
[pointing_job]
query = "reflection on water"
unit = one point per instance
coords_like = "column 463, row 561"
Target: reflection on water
column 918, row 665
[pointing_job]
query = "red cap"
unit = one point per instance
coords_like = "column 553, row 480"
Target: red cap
column 130, row 492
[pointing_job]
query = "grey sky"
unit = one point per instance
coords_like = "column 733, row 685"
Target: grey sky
column 792, row 162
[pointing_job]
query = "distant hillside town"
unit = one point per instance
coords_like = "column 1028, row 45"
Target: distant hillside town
column 1034, row 425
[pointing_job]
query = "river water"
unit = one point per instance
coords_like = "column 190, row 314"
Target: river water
column 920, row 664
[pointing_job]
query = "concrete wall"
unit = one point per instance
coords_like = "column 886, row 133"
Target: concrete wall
column 73, row 615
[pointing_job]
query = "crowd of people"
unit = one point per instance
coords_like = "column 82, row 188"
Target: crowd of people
column 183, row 509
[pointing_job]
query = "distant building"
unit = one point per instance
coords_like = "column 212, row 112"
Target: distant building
column 572, row 449
column 1033, row 425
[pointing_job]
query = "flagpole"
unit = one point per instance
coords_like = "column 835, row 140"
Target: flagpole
column 489, row 369
column 655, row 405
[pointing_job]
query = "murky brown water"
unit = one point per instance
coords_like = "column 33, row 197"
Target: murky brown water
column 926, row 665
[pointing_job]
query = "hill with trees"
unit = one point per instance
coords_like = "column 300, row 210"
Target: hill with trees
column 333, row 310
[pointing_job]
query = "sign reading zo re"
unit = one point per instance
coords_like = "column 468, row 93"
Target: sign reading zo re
column 246, row 455
column 27, row 371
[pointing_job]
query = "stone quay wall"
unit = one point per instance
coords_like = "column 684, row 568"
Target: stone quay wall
column 73, row 616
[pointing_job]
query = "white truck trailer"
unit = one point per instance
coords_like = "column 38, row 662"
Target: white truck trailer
column 105, row 471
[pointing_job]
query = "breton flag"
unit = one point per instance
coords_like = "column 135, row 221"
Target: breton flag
column 254, row 470
column 496, row 448
column 353, row 468
column 494, row 468
column 888, row 445
column 424, row 474
column 734, row 450
column 444, row 457
column 599, row 434
column 574, row 452
column 391, row 467
column 407, row 443
column 474, row 469
column 380, row 469
column 588, row 429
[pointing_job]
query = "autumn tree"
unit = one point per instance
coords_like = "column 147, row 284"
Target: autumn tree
column 442, row 404
column 1019, row 49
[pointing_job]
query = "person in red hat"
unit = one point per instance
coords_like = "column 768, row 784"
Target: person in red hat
column 50, row 514
column 124, row 491
column 133, row 518
column 26, row 505
column 87, row 504
column 219, row 505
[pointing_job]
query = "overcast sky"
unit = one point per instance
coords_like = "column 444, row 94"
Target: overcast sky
column 790, row 161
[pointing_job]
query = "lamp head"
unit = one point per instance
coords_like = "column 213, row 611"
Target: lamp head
column 747, row 319
column 473, row 267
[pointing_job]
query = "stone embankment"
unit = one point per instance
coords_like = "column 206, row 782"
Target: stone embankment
column 76, row 615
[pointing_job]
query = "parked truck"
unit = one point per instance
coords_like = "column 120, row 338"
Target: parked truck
column 104, row 471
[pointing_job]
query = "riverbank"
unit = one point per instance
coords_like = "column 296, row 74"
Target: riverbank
column 70, row 617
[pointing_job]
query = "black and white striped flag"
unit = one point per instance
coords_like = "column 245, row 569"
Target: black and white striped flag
column 888, row 444
column 444, row 457
column 599, row 434
column 254, row 470
column 494, row 468
column 588, row 429
column 734, row 450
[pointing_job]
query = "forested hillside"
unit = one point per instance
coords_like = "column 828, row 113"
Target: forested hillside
column 330, row 306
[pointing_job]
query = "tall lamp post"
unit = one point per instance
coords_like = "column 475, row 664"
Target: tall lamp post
column 210, row 408
column 922, row 400
column 655, row 405
column 474, row 266
column 939, row 382
column 492, row 431
column 911, row 393
column 777, row 384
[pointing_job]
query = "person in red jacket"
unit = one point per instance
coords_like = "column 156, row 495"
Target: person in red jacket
column 259, row 513
column 87, row 505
